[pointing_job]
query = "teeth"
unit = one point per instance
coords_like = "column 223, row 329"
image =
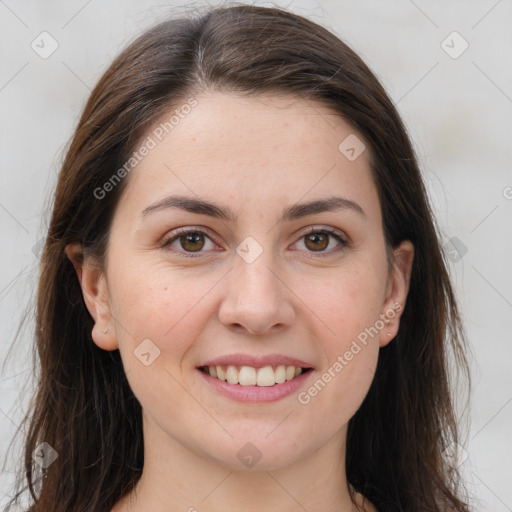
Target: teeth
column 280, row 374
column 249, row 376
column 232, row 375
column 266, row 376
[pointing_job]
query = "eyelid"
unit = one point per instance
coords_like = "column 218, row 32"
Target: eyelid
column 327, row 229
column 183, row 231
column 341, row 238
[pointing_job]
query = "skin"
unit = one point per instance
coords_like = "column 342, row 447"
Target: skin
column 254, row 156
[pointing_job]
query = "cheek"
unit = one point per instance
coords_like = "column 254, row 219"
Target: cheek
column 350, row 381
column 165, row 307
column 350, row 360
column 169, row 310
column 349, row 306
column 349, row 302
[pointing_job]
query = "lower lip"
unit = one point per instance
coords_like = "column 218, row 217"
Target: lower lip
column 256, row 393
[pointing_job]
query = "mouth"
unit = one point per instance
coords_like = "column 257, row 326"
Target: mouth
column 264, row 376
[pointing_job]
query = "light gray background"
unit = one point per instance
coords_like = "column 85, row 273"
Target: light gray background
column 458, row 111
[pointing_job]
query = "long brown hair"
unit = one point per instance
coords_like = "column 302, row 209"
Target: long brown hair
column 397, row 438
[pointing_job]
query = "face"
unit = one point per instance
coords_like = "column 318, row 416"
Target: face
column 285, row 267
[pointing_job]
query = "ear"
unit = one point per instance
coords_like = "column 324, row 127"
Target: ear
column 94, row 289
column 396, row 291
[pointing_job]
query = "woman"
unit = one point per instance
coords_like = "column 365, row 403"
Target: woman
column 243, row 303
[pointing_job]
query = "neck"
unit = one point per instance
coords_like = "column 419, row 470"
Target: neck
column 177, row 478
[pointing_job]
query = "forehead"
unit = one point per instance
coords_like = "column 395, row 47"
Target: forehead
column 252, row 150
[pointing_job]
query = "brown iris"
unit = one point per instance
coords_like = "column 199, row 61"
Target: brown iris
column 192, row 242
column 319, row 241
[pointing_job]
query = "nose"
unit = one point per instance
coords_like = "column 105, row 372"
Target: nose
column 256, row 298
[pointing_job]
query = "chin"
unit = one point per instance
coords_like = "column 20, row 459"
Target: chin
column 258, row 454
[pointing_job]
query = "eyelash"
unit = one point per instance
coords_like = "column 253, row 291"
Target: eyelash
column 343, row 243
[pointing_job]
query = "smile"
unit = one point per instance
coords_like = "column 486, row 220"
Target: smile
column 252, row 384
column 250, row 376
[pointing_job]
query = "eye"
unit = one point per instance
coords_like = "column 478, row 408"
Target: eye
column 317, row 240
column 188, row 240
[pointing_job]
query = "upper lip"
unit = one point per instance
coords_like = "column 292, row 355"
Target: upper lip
column 256, row 361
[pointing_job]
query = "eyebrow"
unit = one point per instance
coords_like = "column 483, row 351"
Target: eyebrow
column 296, row 211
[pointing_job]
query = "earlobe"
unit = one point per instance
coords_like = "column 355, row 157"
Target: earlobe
column 94, row 290
column 397, row 291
